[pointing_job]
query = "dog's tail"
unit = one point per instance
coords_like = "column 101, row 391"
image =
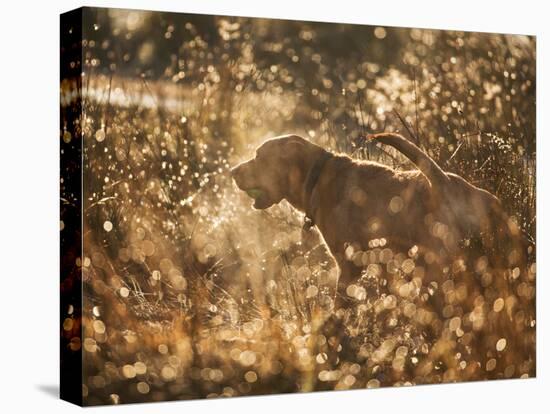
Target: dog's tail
column 435, row 175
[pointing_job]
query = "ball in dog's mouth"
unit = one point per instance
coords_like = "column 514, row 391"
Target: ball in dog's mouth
column 261, row 200
column 254, row 193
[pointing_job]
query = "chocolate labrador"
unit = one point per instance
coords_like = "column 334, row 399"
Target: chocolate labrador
column 356, row 202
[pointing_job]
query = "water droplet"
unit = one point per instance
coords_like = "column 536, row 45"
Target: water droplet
column 67, row 137
column 140, row 368
column 373, row 383
column 247, row 358
column 68, row 324
column 128, row 371
column 108, row 226
column 168, row 373
column 143, row 387
column 491, row 364
column 251, row 376
column 501, row 344
column 90, row 345
column 498, row 305
column 311, row 291
column 380, row 33
column 100, row 135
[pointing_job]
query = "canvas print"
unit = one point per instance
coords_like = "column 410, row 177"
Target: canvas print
column 257, row 206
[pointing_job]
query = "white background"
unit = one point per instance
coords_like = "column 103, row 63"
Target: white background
column 29, row 222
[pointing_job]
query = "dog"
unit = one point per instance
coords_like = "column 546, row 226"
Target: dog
column 354, row 203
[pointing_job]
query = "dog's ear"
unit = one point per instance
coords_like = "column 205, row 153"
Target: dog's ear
column 295, row 141
column 282, row 145
column 293, row 146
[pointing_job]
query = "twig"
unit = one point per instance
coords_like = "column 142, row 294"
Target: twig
column 409, row 131
column 455, row 152
column 361, row 113
column 483, row 165
column 416, row 107
column 102, row 201
column 150, row 92
column 108, row 109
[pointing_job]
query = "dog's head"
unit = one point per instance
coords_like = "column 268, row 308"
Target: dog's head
column 276, row 172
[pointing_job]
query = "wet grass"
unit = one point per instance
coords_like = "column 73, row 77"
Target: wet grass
column 190, row 293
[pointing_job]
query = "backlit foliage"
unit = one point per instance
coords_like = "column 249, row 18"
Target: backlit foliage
column 190, row 293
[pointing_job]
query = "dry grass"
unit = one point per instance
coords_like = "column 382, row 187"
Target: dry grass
column 190, row 293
